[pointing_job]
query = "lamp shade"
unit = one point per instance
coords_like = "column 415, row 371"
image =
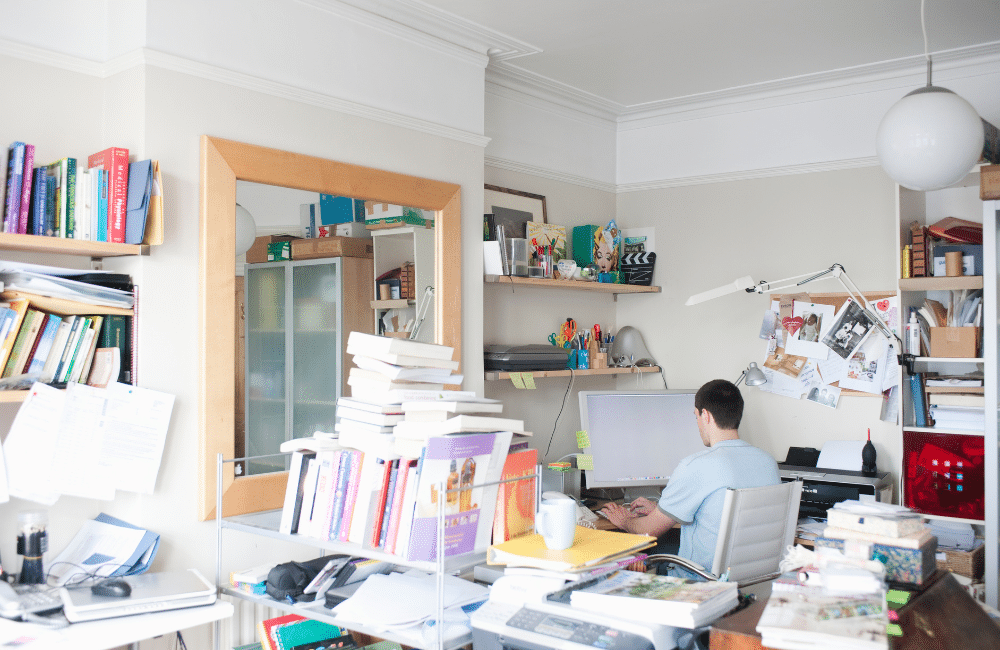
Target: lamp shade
column 929, row 139
column 755, row 376
column 246, row 230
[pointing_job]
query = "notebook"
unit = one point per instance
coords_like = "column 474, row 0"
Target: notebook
column 151, row 592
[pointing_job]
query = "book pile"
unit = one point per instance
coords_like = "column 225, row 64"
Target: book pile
column 107, row 199
column 366, row 484
column 252, row 580
column 294, row 632
column 665, row 599
column 813, row 618
column 948, row 402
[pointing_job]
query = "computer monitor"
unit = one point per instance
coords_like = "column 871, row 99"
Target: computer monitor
column 638, row 437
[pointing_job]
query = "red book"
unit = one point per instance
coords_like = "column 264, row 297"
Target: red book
column 265, row 629
column 397, row 503
column 515, row 512
column 380, row 503
column 114, row 160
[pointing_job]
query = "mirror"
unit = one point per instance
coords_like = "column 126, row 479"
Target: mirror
column 223, row 163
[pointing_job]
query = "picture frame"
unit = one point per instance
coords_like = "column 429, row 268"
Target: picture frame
column 513, row 209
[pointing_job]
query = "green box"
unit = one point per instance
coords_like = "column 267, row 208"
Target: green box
column 279, row 251
column 583, row 244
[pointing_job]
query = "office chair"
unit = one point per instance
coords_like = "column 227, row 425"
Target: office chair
column 757, row 525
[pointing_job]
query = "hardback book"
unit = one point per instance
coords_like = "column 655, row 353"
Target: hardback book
column 15, row 171
column 365, row 385
column 117, row 333
column 515, row 511
column 24, row 364
column 442, row 410
column 590, row 548
column 91, row 350
column 668, row 600
column 38, row 202
column 114, row 161
column 457, row 424
column 45, row 341
column 915, row 539
column 888, row 524
column 76, row 334
column 84, row 350
column 67, row 198
column 473, row 463
column 954, row 399
column 266, row 629
column 406, row 516
column 27, row 179
column 368, row 417
column 405, row 360
column 292, row 507
column 385, row 409
column 23, row 341
column 823, row 621
column 20, row 308
column 58, row 347
column 373, row 346
column 405, row 373
column 53, row 172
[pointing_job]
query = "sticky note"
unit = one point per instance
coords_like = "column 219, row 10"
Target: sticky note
column 515, row 378
column 585, row 461
column 582, row 439
column 893, row 630
column 529, row 380
column 897, row 596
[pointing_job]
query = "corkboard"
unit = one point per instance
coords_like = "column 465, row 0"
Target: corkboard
column 837, row 300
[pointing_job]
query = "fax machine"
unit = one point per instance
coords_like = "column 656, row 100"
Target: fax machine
column 821, row 488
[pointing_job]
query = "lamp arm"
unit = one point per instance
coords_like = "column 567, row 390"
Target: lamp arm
column 743, row 375
column 763, row 286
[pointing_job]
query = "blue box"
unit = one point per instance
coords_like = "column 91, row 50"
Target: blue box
column 335, row 209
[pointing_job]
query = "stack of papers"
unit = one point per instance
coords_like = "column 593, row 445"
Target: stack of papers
column 953, row 534
column 105, row 546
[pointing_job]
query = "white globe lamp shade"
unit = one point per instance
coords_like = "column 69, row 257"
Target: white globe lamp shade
column 246, row 230
column 929, row 139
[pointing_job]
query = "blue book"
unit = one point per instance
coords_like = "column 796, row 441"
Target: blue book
column 15, row 178
column 102, row 206
column 917, row 397
column 45, row 340
column 39, row 201
column 343, row 475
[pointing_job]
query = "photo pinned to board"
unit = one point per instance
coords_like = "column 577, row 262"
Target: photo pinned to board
column 824, row 395
column 850, row 327
column 813, row 321
column 770, row 324
column 787, row 364
column 866, row 367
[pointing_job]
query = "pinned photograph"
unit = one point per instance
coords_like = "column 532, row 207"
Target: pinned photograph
column 787, row 364
column 850, row 328
column 769, row 325
column 824, row 395
column 805, row 329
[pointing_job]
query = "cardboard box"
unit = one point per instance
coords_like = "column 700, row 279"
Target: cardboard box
column 910, row 565
column 258, row 252
column 279, row 251
column 307, row 249
column 989, row 182
column 960, row 342
column 965, row 563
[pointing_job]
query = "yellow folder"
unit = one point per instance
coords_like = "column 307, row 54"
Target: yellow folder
column 590, row 547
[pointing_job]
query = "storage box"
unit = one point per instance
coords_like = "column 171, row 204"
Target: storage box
column 583, row 244
column 258, row 252
column 954, row 342
column 910, row 565
column 965, row 563
column 970, row 253
column 989, row 182
column 335, row 209
column 307, row 249
column 386, row 215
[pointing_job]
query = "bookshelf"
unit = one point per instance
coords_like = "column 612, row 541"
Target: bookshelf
column 492, row 375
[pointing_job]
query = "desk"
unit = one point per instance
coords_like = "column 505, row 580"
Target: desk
column 123, row 630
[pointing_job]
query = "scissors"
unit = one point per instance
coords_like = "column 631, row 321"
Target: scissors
column 558, row 340
column 569, row 329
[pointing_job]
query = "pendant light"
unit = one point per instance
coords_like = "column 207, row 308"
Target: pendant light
column 931, row 138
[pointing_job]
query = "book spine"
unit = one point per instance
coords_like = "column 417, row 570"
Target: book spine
column 389, row 496
column 336, row 519
column 380, row 504
column 38, row 203
column 63, row 196
column 73, row 350
column 15, row 168
column 45, row 341
column 39, row 327
column 20, row 308
column 58, row 345
column 85, row 351
column 397, row 505
column 51, row 201
column 117, row 333
column 357, row 458
column 293, row 493
column 71, row 341
column 69, row 225
column 26, row 181
column 91, row 350
column 117, row 194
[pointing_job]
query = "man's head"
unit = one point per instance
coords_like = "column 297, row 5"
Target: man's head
column 722, row 400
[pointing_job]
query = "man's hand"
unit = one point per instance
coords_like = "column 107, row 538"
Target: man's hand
column 641, row 506
column 618, row 515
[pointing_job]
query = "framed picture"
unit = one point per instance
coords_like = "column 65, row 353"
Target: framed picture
column 513, row 209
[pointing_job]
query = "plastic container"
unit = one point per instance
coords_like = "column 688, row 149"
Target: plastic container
column 32, row 542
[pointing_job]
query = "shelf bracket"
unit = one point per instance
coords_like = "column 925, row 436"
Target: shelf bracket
column 96, row 263
column 906, row 360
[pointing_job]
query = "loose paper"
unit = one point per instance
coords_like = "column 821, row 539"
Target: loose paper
column 841, row 454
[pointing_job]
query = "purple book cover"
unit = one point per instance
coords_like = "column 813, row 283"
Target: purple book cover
column 26, row 179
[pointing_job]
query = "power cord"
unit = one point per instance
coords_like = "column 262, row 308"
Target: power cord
column 569, row 387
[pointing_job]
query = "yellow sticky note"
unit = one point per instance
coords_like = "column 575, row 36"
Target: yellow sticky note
column 582, row 439
column 529, row 380
column 893, row 630
column 585, row 461
column 515, row 378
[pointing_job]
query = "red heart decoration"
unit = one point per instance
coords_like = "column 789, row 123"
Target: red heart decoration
column 792, row 324
column 883, row 305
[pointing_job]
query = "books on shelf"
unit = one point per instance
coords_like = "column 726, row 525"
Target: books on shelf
column 15, row 181
column 590, row 548
column 114, row 161
column 668, row 600
column 267, row 629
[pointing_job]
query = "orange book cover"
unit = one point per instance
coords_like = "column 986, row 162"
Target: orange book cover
column 515, row 513
column 20, row 308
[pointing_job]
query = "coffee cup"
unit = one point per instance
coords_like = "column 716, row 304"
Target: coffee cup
column 556, row 523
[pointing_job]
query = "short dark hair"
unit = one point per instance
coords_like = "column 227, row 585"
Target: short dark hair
column 723, row 400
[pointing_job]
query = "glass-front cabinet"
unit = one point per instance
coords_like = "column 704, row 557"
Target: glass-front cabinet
column 293, row 352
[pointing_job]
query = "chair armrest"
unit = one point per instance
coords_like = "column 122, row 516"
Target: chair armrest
column 693, row 567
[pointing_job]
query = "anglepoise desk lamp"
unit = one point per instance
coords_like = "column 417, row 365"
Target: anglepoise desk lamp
column 753, row 376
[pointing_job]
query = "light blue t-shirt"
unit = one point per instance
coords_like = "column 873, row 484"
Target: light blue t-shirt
column 695, row 494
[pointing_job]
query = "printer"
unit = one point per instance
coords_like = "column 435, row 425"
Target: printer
column 821, row 488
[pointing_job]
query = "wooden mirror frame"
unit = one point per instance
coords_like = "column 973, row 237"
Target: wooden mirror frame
column 223, row 162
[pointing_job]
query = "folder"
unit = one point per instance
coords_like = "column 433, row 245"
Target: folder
column 140, row 185
column 590, row 547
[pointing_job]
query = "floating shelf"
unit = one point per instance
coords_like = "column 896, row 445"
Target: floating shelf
column 537, row 374
column 950, row 359
column 392, row 304
column 63, row 246
column 575, row 285
column 941, row 283
column 12, row 396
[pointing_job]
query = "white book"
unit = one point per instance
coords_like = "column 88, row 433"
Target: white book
column 363, row 427
column 372, row 384
column 379, row 444
column 408, row 373
column 406, row 360
column 293, row 492
column 440, row 411
column 361, row 405
column 399, row 395
column 367, row 417
column 457, row 424
column 83, row 352
column 371, row 345
column 956, row 399
column 308, row 496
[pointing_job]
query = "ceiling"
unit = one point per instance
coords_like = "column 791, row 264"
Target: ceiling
column 635, row 52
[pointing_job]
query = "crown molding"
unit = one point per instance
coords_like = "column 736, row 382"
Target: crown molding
column 429, row 26
column 750, row 174
column 534, row 89
column 147, row 57
column 512, row 166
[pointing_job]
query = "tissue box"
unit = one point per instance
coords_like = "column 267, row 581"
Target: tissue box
column 965, row 563
column 910, row 565
column 954, row 342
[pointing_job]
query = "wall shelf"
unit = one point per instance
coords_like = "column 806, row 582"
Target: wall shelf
column 575, row 285
column 537, row 374
column 941, row 283
column 64, row 246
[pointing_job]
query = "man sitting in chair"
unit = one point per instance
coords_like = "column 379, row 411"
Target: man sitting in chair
column 696, row 491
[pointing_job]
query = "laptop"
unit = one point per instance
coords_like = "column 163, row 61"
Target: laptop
column 151, row 592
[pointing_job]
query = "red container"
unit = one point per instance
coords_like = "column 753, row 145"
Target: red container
column 943, row 474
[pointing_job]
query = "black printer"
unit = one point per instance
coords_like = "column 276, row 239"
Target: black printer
column 821, row 488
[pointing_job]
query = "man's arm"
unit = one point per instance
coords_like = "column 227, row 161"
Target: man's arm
column 655, row 523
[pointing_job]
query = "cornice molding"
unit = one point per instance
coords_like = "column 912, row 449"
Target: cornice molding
column 512, row 166
column 727, row 177
column 531, row 88
column 147, row 57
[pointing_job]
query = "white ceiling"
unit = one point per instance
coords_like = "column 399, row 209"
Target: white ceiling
column 635, row 52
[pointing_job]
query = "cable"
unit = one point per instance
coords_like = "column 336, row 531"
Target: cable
column 572, row 378
column 923, row 27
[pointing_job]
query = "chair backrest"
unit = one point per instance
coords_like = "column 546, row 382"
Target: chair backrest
column 757, row 525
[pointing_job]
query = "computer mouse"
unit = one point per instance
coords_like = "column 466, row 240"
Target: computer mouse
column 115, row 587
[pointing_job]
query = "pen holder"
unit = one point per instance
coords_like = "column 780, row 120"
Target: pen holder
column 32, row 542
column 583, row 359
column 571, row 359
column 599, row 360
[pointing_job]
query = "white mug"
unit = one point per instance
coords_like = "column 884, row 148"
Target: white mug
column 556, row 523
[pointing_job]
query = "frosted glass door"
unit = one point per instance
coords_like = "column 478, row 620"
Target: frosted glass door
column 265, row 365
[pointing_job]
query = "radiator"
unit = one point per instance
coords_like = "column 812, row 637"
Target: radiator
column 241, row 629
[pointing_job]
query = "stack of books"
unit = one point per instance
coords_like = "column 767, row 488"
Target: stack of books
column 292, row 631
column 948, row 402
column 810, row 617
